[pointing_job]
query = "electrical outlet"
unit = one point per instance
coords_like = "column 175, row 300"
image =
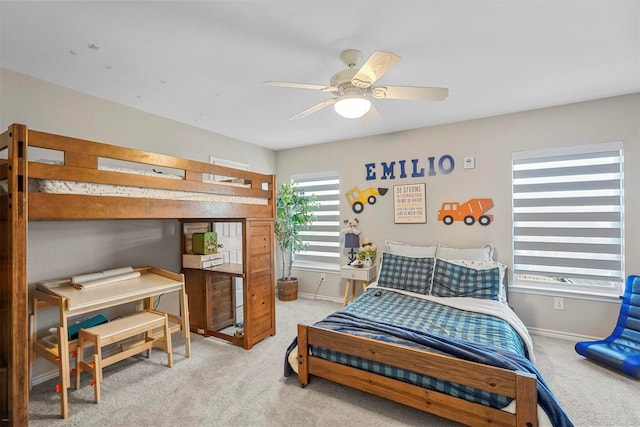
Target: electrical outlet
column 323, row 276
column 558, row 303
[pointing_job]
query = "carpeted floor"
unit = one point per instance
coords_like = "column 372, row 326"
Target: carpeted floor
column 224, row 385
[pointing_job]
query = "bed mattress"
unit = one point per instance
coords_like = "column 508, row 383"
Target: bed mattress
column 88, row 188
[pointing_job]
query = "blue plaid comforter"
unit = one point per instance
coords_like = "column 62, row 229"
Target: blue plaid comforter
column 417, row 323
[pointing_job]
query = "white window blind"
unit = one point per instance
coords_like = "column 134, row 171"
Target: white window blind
column 568, row 218
column 323, row 236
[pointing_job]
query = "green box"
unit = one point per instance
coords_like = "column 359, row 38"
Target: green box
column 204, row 243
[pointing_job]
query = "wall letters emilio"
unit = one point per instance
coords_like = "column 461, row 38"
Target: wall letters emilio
column 413, row 168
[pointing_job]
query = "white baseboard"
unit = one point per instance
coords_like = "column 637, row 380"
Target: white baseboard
column 562, row 335
column 319, row 297
column 46, row 376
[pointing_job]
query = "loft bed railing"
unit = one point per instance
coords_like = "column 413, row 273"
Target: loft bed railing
column 235, row 193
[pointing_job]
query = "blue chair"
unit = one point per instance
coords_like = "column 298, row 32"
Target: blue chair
column 621, row 350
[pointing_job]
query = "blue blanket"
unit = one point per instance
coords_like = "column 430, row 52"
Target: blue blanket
column 487, row 354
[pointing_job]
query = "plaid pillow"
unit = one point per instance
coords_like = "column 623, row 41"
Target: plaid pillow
column 452, row 280
column 407, row 273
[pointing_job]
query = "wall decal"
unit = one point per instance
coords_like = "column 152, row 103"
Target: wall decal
column 409, row 203
column 445, row 164
column 469, row 212
column 357, row 198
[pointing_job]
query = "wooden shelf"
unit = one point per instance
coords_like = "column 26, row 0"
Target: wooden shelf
column 213, row 300
column 230, row 269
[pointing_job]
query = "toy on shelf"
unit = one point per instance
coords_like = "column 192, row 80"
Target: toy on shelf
column 367, row 253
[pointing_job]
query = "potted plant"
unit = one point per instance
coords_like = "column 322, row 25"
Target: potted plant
column 293, row 214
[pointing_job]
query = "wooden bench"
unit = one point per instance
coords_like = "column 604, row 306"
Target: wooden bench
column 143, row 322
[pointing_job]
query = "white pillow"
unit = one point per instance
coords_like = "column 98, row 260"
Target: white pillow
column 485, row 265
column 473, row 254
column 407, row 249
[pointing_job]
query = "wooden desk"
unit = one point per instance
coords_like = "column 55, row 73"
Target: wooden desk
column 73, row 302
column 365, row 274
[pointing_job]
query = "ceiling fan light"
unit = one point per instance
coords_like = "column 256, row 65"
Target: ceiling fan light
column 352, row 107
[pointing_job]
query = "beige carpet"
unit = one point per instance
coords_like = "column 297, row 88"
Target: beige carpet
column 224, row 385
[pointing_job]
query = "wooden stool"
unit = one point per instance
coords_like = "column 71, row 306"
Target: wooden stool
column 118, row 330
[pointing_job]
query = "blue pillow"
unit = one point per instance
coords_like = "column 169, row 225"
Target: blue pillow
column 406, row 273
column 453, row 280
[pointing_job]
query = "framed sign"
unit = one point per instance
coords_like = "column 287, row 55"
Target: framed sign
column 410, row 203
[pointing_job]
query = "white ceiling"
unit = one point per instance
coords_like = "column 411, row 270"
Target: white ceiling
column 204, row 63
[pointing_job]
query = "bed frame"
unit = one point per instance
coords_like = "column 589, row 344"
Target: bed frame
column 81, row 164
column 519, row 385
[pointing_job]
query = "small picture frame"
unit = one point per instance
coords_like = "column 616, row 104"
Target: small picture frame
column 410, row 203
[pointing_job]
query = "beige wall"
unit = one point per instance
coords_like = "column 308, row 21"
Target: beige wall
column 491, row 141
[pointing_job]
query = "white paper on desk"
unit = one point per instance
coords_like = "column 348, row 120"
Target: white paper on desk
column 86, row 277
column 107, row 280
column 83, row 278
column 117, row 271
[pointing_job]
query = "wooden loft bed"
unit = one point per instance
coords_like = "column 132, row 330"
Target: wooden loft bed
column 243, row 194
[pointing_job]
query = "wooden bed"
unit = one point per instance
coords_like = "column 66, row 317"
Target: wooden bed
column 519, row 385
column 382, row 344
column 82, row 164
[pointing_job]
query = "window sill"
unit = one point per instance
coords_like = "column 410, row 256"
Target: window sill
column 317, row 266
column 564, row 293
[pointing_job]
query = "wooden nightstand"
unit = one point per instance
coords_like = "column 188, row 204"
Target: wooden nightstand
column 364, row 274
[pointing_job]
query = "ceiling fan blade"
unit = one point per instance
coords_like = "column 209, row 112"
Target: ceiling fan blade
column 375, row 67
column 302, row 86
column 314, row 109
column 410, row 92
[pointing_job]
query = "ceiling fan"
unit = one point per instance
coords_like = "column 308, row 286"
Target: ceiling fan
column 353, row 88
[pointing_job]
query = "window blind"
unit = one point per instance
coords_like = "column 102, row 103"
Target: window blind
column 323, row 236
column 568, row 217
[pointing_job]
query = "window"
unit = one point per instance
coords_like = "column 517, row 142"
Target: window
column 323, row 236
column 228, row 163
column 568, row 219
